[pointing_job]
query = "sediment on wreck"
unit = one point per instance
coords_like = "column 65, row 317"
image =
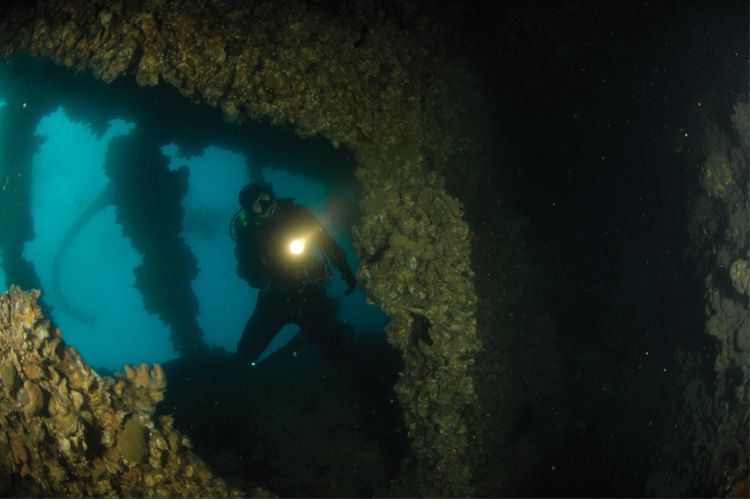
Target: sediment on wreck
column 66, row 431
column 715, row 379
column 395, row 98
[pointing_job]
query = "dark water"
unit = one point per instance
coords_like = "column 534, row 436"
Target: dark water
column 608, row 123
column 600, row 111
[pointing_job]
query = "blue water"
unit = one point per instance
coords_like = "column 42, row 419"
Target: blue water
column 96, row 275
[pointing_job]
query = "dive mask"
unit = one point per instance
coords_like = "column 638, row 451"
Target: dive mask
column 264, row 206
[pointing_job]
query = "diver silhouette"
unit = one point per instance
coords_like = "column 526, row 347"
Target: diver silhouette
column 283, row 250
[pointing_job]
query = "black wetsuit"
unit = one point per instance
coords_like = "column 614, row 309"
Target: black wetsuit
column 292, row 287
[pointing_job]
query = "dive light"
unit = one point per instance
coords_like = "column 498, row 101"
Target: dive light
column 297, row 246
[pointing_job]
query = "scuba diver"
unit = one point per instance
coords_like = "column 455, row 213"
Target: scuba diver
column 278, row 247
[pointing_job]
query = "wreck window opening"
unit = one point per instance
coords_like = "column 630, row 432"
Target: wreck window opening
column 69, row 169
column 148, row 198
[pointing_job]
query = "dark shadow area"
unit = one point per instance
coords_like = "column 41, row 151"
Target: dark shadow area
column 601, row 124
column 294, row 424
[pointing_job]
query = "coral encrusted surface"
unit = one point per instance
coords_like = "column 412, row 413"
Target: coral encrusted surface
column 67, row 431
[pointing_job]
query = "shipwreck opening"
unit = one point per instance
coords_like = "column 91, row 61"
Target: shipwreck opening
column 211, row 155
column 130, row 194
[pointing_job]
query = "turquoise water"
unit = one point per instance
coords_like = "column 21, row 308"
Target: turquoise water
column 96, row 274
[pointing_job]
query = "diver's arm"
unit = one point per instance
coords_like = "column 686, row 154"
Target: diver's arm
column 332, row 251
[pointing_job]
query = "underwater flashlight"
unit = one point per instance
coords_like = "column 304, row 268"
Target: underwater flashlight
column 297, row 246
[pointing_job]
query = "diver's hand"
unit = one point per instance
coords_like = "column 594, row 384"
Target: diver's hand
column 351, row 284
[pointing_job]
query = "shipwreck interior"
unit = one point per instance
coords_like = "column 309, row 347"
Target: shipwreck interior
column 546, row 210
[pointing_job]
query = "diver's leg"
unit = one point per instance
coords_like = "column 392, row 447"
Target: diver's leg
column 265, row 322
column 318, row 317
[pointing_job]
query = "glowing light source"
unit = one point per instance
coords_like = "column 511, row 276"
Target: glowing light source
column 297, row 246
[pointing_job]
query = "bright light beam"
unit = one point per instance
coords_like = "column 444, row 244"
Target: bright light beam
column 297, row 246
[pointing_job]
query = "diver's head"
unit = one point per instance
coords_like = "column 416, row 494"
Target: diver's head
column 258, row 199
